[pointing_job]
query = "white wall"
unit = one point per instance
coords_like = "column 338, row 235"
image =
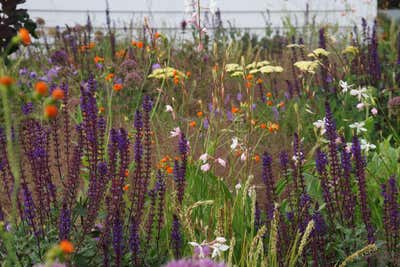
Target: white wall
column 345, row 13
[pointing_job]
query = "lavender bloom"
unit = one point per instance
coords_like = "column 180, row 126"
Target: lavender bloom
column 349, row 199
column 268, row 180
column 65, row 222
column 161, row 189
column 118, row 238
column 321, row 163
column 151, row 215
column 29, row 207
column 27, row 108
column 298, row 157
column 176, row 237
column 362, row 187
column 59, row 57
column 335, row 168
column 375, row 67
column 180, row 168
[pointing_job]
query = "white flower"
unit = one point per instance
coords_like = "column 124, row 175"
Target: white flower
column 168, row 108
column 243, row 157
column 320, row 124
column 200, row 247
column 348, row 147
column 221, row 162
column 238, row 186
column 366, row 146
column 235, row 143
column 205, row 167
column 204, row 157
column 360, row 106
column 220, row 240
column 359, row 126
column 345, row 86
column 175, row 132
column 213, row 6
column 374, row 111
column 218, row 246
column 360, row 93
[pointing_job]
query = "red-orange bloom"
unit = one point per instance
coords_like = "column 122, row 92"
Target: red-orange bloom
column 192, row 124
column 199, row 114
column 169, row 170
column 24, row 35
column 6, row 80
column 41, row 88
column 109, row 77
column 139, row 44
column 234, row 110
column 98, row 59
column 66, row 247
column 270, row 103
column 117, row 87
column 263, row 126
column 126, row 187
column 50, row 111
column 57, row 94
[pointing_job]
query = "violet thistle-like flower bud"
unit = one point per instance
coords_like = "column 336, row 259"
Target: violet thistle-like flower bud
column 268, row 180
column 362, row 187
column 176, row 237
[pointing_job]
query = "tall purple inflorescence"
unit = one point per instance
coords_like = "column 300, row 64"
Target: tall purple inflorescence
column 349, row 199
column 268, row 180
column 321, row 163
column 362, row 187
column 65, row 222
column 176, row 237
column 375, row 66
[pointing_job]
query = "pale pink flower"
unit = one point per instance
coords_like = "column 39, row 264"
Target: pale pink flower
column 221, row 162
column 205, row 167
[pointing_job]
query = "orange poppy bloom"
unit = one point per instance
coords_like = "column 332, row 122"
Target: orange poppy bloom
column 281, row 104
column 268, row 94
column 120, row 53
column 249, row 77
column 91, row 45
column 234, row 110
column 176, row 80
column 98, row 59
column 274, row 127
column 192, row 124
column 66, row 247
column 248, row 84
column 50, row 111
column 259, row 81
column 24, row 35
column 188, row 74
column 270, row 103
column 41, row 88
column 169, row 170
column 263, row 126
column 101, row 109
column 126, row 187
column 256, row 158
column 139, row 44
column 134, row 43
column 157, row 35
column 165, row 159
column 199, row 114
column 109, row 77
column 126, row 173
column 6, row 80
column 117, row 87
column 57, row 94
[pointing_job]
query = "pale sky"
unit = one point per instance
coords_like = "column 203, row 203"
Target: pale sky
column 360, row 8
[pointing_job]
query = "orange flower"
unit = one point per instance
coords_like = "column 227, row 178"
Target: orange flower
column 274, row 127
column 256, row 158
column 248, row 84
column 120, row 53
column 50, row 111
column 126, row 173
column 270, row 103
column 109, row 77
column 57, row 94
column 188, row 74
column 91, row 45
column 176, row 80
column 259, row 81
column 41, row 88
column 139, row 44
column 66, row 247
column 6, row 80
column 134, row 43
column 98, row 59
column 24, row 35
column 215, row 68
column 234, row 110
column 199, row 114
column 192, row 124
column 176, row 158
column 281, row 104
column 101, row 109
column 117, row 87
column 165, row 159
column 263, row 126
column 249, row 77
column 268, row 94
column 157, row 35
column 169, row 170
column 126, row 187
column 253, row 122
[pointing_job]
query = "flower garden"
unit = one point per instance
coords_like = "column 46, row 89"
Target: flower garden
column 222, row 149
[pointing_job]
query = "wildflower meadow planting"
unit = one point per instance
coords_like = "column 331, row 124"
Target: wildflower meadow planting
column 220, row 148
